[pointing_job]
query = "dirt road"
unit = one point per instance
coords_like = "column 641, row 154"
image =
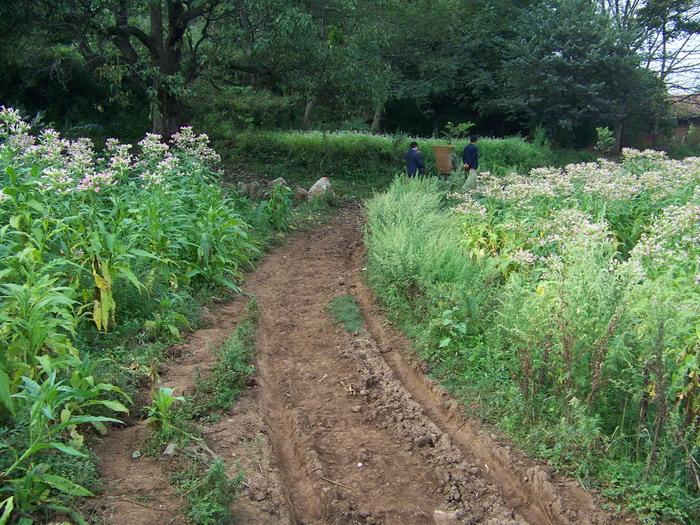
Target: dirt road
column 341, row 428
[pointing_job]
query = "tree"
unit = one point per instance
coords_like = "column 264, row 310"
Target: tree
column 666, row 33
column 422, row 47
column 155, row 43
column 568, row 71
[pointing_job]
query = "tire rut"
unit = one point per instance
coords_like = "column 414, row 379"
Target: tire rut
column 339, row 428
column 352, row 444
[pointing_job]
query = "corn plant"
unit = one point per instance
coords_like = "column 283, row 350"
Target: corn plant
column 160, row 409
column 50, row 408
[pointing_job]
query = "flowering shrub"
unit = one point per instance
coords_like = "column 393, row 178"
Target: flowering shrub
column 82, row 230
column 579, row 291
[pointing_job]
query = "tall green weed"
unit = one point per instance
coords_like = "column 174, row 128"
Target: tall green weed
column 531, row 299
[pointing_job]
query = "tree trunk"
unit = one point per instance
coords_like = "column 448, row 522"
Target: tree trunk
column 166, row 114
column 619, row 134
column 310, row 105
column 168, row 60
column 377, row 120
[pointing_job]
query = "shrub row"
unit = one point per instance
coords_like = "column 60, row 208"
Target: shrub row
column 357, row 155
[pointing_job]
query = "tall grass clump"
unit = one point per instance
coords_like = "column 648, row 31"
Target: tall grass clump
column 564, row 305
column 363, row 157
column 98, row 251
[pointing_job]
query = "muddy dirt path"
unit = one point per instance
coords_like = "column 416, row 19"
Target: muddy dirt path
column 361, row 436
column 339, row 428
column 136, row 487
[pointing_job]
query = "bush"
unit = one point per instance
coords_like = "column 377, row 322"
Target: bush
column 354, row 155
column 605, row 141
column 564, row 304
column 209, row 494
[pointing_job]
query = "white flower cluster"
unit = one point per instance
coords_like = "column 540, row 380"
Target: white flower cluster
column 673, row 240
column 67, row 166
column 195, row 147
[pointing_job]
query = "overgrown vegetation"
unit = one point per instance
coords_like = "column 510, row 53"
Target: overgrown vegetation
column 104, row 258
column 360, row 163
column 563, row 306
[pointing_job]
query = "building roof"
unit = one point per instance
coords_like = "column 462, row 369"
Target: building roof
column 685, row 106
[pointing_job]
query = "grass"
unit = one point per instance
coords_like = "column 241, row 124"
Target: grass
column 360, row 164
column 218, row 390
column 346, row 313
column 208, row 492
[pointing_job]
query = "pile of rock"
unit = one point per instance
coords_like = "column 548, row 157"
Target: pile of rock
column 254, row 191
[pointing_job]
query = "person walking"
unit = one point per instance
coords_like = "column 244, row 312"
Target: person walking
column 414, row 161
column 470, row 158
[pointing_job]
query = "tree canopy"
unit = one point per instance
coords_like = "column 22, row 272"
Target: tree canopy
column 566, row 66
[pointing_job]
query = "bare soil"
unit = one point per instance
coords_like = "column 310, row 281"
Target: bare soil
column 339, row 428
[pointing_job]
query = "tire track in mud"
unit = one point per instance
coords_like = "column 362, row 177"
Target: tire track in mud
column 361, row 436
column 352, row 444
column 338, row 428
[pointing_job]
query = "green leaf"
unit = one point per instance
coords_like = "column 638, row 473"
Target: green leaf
column 45, row 362
column 445, row 342
column 114, row 405
column 65, row 485
column 126, row 272
column 5, row 394
column 100, row 427
column 7, row 505
column 67, row 450
column 35, row 205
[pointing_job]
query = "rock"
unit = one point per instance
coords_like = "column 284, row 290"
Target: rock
column 440, row 517
column 322, row 187
column 356, row 408
column 170, row 450
column 425, row 441
column 279, row 181
column 254, row 190
column 300, row 194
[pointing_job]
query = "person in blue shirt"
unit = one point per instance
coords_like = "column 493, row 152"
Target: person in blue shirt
column 470, row 158
column 414, row 161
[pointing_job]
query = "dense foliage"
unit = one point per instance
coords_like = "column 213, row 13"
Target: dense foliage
column 564, row 306
column 363, row 157
column 95, row 243
column 507, row 65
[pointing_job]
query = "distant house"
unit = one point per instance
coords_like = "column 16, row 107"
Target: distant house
column 686, row 109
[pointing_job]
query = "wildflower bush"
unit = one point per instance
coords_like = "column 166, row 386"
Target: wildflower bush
column 563, row 305
column 90, row 242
